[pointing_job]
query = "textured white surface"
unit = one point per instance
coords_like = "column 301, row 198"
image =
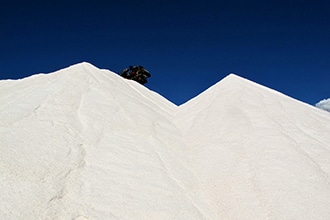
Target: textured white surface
column 84, row 143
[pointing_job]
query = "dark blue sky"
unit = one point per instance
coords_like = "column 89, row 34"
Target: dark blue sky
column 186, row 45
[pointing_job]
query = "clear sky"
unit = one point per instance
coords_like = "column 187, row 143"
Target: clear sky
column 187, row 46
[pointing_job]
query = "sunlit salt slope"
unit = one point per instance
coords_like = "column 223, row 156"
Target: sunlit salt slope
column 84, row 143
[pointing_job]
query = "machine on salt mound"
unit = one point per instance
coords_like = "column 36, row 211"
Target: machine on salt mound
column 74, row 146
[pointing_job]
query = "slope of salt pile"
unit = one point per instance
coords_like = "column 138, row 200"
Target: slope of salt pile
column 257, row 153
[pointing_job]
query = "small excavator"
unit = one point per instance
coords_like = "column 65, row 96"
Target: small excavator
column 136, row 73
